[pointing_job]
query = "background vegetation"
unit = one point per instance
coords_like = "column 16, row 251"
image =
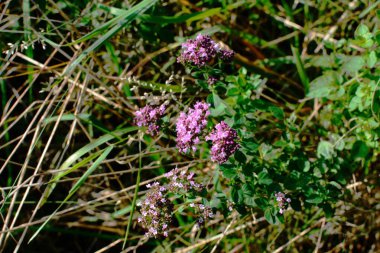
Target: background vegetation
column 302, row 92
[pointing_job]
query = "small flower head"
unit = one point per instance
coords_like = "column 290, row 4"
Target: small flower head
column 203, row 212
column 226, row 55
column 198, row 51
column 202, row 50
column 230, row 205
column 212, row 80
column 190, row 126
column 156, row 211
column 149, row 116
column 182, row 181
column 224, row 143
column 282, row 201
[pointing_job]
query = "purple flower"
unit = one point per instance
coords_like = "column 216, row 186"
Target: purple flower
column 226, row 55
column 203, row 212
column 282, row 201
column 182, row 181
column 212, row 80
column 230, row 205
column 202, row 50
column 148, row 116
column 156, row 211
column 224, row 143
column 189, row 126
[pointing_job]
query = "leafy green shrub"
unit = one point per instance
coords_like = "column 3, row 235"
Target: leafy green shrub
column 311, row 171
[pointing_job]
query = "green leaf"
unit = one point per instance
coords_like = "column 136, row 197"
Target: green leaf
column 371, row 59
column 325, row 149
column 221, row 107
column 324, row 85
column 233, row 91
column 228, row 170
column 292, row 181
column 240, row 157
column 363, row 37
column 263, row 178
column 247, row 190
column 336, row 185
column 359, row 150
column 355, row 103
column 280, row 218
column 315, row 199
column 260, row 104
column 362, row 31
column 269, row 216
column 326, row 61
column 229, row 173
column 231, row 79
column 250, row 201
column 237, row 194
column 261, row 202
column 277, row 112
column 353, row 64
column 306, row 167
column 250, row 145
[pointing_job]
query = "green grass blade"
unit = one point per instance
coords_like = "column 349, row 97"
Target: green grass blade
column 65, row 167
column 96, row 32
column 301, row 69
column 134, row 196
column 121, row 212
column 89, row 171
column 76, row 166
column 165, row 20
column 67, row 117
column 122, row 21
column 120, row 16
column 77, row 185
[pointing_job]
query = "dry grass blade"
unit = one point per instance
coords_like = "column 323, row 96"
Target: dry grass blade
column 217, row 237
column 303, row 233
column 65, row 103
column 23, row 170
column 224, row 234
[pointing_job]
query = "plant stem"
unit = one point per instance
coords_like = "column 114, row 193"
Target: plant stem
column 135, row 195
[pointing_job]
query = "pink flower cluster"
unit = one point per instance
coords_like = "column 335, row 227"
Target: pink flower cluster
column 224, row 143
column 202, row 50
column 212, row 80
column 282, row 201
column 148, row 116
column 204, row 212
column 189, row 126
column 182, row 181
column 156, row 211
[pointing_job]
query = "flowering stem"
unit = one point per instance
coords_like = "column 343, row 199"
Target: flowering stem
column 135, row 195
